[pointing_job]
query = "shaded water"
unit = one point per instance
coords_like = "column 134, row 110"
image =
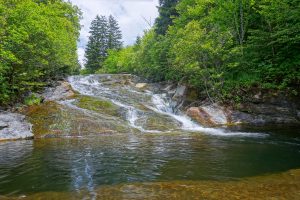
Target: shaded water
column 116, row 135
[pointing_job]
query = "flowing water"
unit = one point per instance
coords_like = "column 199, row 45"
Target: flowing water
column 115, row 141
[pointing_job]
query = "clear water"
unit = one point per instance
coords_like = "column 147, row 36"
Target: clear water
column 145, row 153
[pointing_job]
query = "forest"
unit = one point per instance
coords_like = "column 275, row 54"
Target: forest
column 221, row 48
column 38, row 44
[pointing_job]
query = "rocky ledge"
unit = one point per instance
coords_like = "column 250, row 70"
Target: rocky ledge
column 260, row 112
column 14, row 126
column 262, row 108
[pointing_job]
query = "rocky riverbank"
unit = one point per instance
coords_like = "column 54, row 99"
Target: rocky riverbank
column 262, row 108
column 14, row 126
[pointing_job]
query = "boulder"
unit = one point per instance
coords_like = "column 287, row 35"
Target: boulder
column 216, row 112
column 14, row 126
column 62, row 91
column 141, row 85
column 199, row 116
column 211, row 115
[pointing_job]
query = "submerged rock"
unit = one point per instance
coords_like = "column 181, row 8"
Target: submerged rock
column 62, row 91
column 14, row 126
column 283, row 186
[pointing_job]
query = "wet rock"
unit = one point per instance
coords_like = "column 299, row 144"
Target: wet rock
column 141, row 85
column 53, row 120
column 97, row 105
column 211, row 115
column 14, row 126
column 168, row 88
column 62, row 91
column 199, row 116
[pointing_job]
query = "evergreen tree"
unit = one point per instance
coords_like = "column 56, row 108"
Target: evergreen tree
column 167, row 10
column 96, row 50
column 114, row 34
column 138, row 40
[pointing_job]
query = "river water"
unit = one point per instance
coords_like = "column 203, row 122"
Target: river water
column 116, row 140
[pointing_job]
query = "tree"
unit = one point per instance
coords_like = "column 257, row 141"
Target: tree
column 274, row 44
column 223, row 48
column 167, row 12
column 96, row 50
column 38, row 42
column 114, row 34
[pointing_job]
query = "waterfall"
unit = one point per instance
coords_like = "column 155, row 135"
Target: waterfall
column 127, row 97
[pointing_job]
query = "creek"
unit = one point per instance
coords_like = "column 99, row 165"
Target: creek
column 113, row 138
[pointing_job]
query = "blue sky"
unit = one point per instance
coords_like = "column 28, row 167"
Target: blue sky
column 133, row 17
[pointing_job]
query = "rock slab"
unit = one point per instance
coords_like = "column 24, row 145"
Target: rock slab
column 14, row 126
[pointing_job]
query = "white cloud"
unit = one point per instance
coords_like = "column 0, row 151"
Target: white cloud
column 133, row 17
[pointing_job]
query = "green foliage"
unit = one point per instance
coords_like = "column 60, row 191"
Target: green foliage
column 222, row 48
column 119, row 61
column 32, row 100
column 38, row 43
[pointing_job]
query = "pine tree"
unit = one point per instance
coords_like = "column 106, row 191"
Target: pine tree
column 138, row 40
column 114, row 34
column 167, row 10
column 96, row 50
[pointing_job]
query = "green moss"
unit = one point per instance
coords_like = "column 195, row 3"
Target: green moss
column 44, row 117
column 97, row 105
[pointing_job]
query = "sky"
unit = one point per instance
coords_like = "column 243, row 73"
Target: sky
column 134, row 16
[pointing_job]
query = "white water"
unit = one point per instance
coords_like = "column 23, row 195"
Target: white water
column 162, row 106
column 92, row 86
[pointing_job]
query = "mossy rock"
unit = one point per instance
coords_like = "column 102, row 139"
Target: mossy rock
column 43, row 117
column 97, row 105
column 156, row 122
column 54, row 120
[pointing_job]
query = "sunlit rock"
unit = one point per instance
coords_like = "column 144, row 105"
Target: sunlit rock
column 210, row 115
column 14, row 126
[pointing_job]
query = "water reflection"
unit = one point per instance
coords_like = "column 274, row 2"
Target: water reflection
column 76, row 164
column 14, row 152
